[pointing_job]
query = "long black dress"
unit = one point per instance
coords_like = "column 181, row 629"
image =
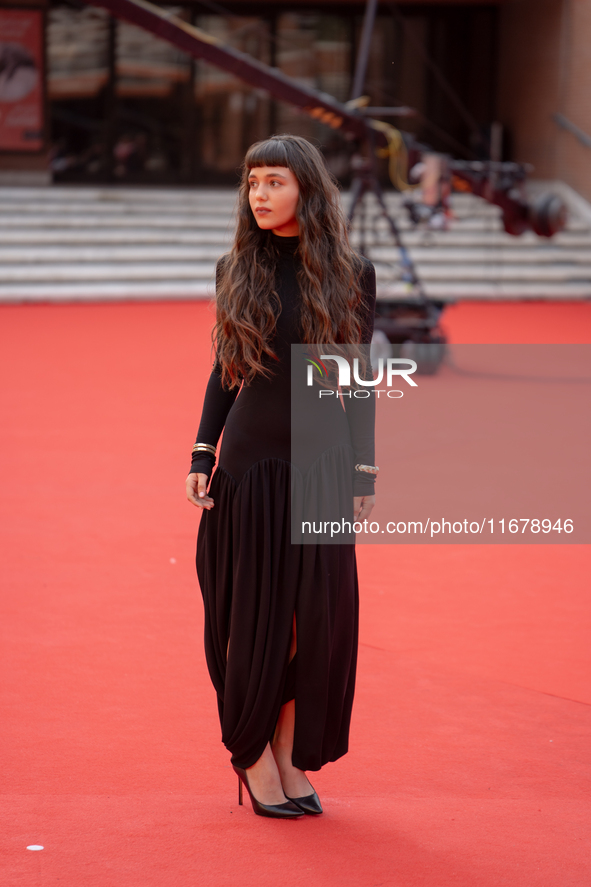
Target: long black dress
column 253, row 579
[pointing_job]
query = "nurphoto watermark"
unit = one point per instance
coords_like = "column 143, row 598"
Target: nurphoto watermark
column 492, row 448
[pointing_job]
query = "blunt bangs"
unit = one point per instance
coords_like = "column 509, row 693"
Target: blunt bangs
column 271, row 152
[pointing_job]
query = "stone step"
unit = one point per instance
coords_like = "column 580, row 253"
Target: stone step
column 221, row 211
column 73, row 217
column 112, row 255
column 112, row 290
column 477, row 290
column 78, row 194
column 412, row 239
column 195, row 252
column 148, row 271
column 125, row 290
column 171, row 198
column 496, row 271
column 100, row 211
column 470, row 238
column 478, row 255
column 178, row 220
column 92, row 220
column 90, row 237
column 81, row 194
column 203, row 271
column 23, row 210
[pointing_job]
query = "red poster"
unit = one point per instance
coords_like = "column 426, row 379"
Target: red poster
column 21, row 80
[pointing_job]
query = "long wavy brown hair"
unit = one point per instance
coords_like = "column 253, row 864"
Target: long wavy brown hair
column 329, row 279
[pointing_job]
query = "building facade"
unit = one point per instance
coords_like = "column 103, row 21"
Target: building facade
column 116, row 104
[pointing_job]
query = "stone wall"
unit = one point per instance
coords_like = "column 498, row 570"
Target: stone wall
column 544, row 66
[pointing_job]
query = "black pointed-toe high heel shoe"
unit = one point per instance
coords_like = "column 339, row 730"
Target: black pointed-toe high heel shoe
column 310, row 804
column 288, row 810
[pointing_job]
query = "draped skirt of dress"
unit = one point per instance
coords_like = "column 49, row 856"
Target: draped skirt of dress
column 253, row 581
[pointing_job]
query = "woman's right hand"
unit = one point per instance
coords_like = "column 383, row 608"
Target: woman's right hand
column 196, row 486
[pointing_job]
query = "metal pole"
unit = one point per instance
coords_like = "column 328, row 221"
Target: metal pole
column 110, row 112
column 364, row 45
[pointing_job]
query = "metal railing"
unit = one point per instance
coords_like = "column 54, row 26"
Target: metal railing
column 565, row 123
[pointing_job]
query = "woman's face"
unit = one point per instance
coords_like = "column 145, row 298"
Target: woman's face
column 273, row 195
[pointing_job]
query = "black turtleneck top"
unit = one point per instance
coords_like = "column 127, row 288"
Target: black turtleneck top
column 257, row 421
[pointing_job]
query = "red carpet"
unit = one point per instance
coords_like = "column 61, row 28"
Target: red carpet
column 469, row 762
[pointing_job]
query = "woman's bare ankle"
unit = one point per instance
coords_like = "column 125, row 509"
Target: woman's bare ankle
column 265, row 780
column 294, row 781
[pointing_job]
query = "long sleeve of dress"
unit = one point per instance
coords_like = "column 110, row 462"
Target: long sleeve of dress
column 216, row 406
column 361, row 410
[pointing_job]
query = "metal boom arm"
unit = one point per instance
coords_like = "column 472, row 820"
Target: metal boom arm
column 201, row 45
column 480, row 179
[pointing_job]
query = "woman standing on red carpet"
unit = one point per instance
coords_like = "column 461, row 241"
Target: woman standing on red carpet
column 281, row 619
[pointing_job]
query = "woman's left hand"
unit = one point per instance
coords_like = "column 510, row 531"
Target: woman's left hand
column 362, row 506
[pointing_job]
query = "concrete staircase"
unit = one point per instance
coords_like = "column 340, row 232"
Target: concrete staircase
column 100, row 244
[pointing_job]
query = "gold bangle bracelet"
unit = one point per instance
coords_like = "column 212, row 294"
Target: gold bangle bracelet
column 204, row 448
column 368, row 469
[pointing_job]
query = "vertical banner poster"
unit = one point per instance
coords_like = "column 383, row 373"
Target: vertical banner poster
column 21, row 80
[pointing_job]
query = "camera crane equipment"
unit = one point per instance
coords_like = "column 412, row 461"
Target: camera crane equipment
column 410, row 321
